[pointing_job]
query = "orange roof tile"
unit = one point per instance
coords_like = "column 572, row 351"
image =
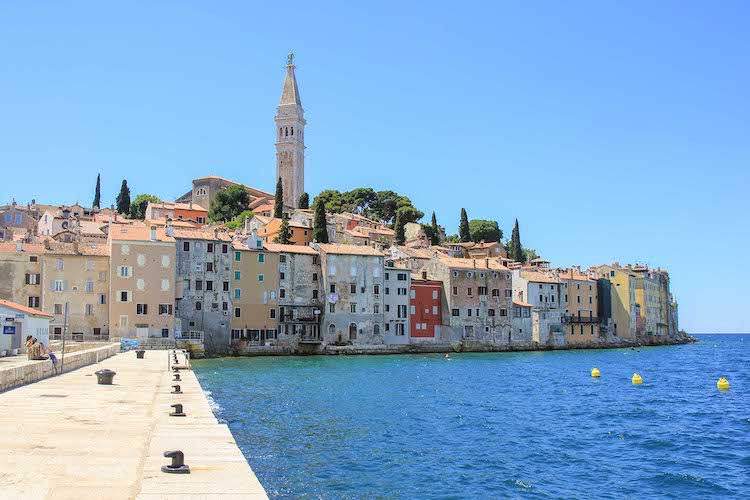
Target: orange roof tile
column 456, row 263
column 277, row 247
column 139, row 233
column 538, row 277
column 201, row 234
column 173, row 205
column 337, row 249
column 25, row 247
column 522, row 304
column 24, row 309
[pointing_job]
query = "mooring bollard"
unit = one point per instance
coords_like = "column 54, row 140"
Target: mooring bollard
column 177, row 377
column 178, row 463
column 177, row 411
column 104, row 377
column 176, row 389
column 139, row 353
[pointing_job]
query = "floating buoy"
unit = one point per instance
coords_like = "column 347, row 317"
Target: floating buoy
column 637, row 379
column 447, row 356
column 595, row 372
column 723, row 384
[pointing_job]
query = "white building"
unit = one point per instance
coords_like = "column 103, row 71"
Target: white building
column 19, row 321
column 396, row 305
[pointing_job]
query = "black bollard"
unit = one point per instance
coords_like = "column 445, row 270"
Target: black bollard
column 177, row 377
column 176, row 389
column 178, row 463
column 104, row 377
column 177, row 411
column 139, row 353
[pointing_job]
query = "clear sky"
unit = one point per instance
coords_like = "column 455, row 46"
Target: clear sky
column 611, row 130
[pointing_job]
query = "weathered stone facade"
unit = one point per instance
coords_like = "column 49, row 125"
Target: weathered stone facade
column 203, row 284
column 541, row 289
column 290, row 140
column 397, row 313
column 20, row 273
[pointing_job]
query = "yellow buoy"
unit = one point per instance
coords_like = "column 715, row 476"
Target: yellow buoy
column 595, row 372
column 723, row 384
column 637, row 379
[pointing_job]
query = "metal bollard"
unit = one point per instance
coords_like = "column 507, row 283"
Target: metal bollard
column 177, row 377
column 176, row 389
column 178, row 463
column 177, row 411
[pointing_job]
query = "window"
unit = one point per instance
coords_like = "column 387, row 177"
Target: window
column 236, row 312
column 413, row 310
column 282, row 259
column 224, row 286
column 454, row 312
column 552, row 298
column 482, row 290
column 198, row 285
column 387, row 291
column 141, row 259
column 272, row 313
column 434, row 309
column 469, row 312
column 282, row 293
column 353, row 308
column 315, row 277
column 89, row 286
column 32, row 279
column 612, row 274
column 237, row 275
column 58, row 286
column 261, row 258
column 412, row 293
column 102, row 299
column 402, row 276
column 97, row 331
column 503, row 312
column 578, row 299
column 165, row 285
column 165, row 333
column 225, row 249
column 591, row 300
column 103, row 276
column 331, row 307
column 376, row 289
column 209, row 285
column 59, row 264
column 165, row 309
column 125, row 271
column 468, row 291
column 209, row 247
column 58, row 309
column 198, row 305
column 123, row 321
column 209, row 267
column 353, row 288
column 282, row 275
column 490, row 312
column 508, row 293
column 495, row 292
column 141, row 309
column 541, row 298
column 401, row 313
column 261, row 277
column 185, row 246
column 455, row 290
column 376, row 308
column 402, row 291
column 124, row 296
column 33, row 258
column 89, row 265
column 237, row 256
column 237, row 293
column 315, row 294
column 455, row 274
column 333, row 288
column 34, row 302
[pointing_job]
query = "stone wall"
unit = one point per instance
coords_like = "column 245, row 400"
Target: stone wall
column 32, row 371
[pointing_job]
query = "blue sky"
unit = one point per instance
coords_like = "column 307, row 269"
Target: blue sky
column 611, row 130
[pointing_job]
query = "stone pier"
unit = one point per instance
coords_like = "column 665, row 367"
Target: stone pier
column 68, row 437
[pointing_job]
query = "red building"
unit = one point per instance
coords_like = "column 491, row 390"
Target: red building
column 426, row 309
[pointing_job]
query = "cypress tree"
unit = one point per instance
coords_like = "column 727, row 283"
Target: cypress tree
column 123, row 199
column 320, row 226
column 435, row 240
column 97, row 192
column 516, row 249
column 285, row 234
column 464, row 233
column 278, row 208
column 304, row 201
column 400, row 227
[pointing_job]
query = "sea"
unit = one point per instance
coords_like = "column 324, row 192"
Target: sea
column 493, row 425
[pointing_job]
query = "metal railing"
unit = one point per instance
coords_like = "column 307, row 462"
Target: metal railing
column 190, row 335
column 580, row 319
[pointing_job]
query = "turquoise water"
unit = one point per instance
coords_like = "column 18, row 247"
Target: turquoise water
column 493, row 425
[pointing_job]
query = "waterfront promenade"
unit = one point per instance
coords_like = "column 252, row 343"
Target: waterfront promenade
column 68, row 437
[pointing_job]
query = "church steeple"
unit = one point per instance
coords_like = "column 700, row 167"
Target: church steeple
column 290, row 143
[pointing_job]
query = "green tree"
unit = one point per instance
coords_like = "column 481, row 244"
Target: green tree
column 359, row 201
column 284, row 235
column 320, row 226
column 452, row 238
column 484, row 230
column 400, row 228
column 529, row 254
column 239, row 221
column 229, row 203
column 464, row 233
column 435, row 237
column 97, row 192
column 139, row 205
column 515, row 250
column 331, row 199
column 380, row 206
column 123, row 199
column 304, row 201
column 278, row 208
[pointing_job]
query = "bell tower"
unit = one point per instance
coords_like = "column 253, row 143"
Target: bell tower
column 290, row 138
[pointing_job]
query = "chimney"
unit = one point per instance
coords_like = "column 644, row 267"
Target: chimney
column 191, row 204
column 474, row 263
column 47, row 244
column 168, row 228
column 424, row 275
column 153, row 233
column 19, row 246
column 216, row 233
column 487, row 262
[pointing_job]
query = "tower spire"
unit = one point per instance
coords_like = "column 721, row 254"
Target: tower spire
column 290, row 143
column 290, row 92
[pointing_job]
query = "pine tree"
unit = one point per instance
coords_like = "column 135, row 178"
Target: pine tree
column 97, row 192
column 304, row 201
column 435, row 240
column 400, row 227
column 516, row 249
column 123, row 199
column 278, row 208
column 285, row 234
column 464, row 233
column 320, row 226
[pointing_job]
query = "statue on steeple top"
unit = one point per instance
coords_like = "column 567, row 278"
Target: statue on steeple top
column 290, row 58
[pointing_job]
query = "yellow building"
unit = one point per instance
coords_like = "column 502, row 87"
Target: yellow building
column 255, row 285
column 76, row 275
column 581, row 307
column 651, row 298
column 21, row 274
column 142, row 283
column 623, row 301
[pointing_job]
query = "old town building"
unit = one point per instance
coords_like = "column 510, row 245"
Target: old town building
column 396, row 303
column 21, row 273
column 580, row 300
column 425, row 310
column 540, row 287
column 290, row 142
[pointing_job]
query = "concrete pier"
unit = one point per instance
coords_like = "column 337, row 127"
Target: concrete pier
column 68, row 437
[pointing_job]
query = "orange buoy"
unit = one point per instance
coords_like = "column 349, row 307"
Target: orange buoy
column 447, row 356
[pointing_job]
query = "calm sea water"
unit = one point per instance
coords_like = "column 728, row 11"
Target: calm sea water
column 493, row 425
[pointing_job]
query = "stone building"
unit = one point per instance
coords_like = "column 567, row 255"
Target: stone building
column 76, row 274
column 477, row 298
column 413, row 259
column 353, row 283
column 580, row 297
column 396, row 305
column 290, row 142
column 142, row 283
column 541, row 288
column 177, row 211
column 522, row 334
column 622, row 306
column 21, row 273
column 19, row 216
column 205, row 189
column 300, row 296
column 203, row 287
column 425, row 310
column 255, row 284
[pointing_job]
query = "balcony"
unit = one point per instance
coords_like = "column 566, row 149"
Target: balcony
column 580, row 319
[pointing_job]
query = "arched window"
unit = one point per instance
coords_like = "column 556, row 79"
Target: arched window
column 281, row 132
column 332, row 330
column 376, row 330
column 353, row 331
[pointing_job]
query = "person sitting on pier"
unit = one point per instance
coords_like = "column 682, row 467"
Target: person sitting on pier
column 27, row 345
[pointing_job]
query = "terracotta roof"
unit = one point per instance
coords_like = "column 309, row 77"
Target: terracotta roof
column 265, row 194
column 65, row 248
column 264, row 208
column 456, row 263
column 185, row 224
column 200, row 234
column 537, row 277
column 25, row 247
column 522, row 304
column 337, row 249
column 258, row 202
column 356, row 234
column 467, row 244
column 276, row 247
column 240, row 245
column 417, row 253
column 139, row 233
column 486, row 244
column 365, row 229
column 174, row 205
column 24, row 309
column 570, row 275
